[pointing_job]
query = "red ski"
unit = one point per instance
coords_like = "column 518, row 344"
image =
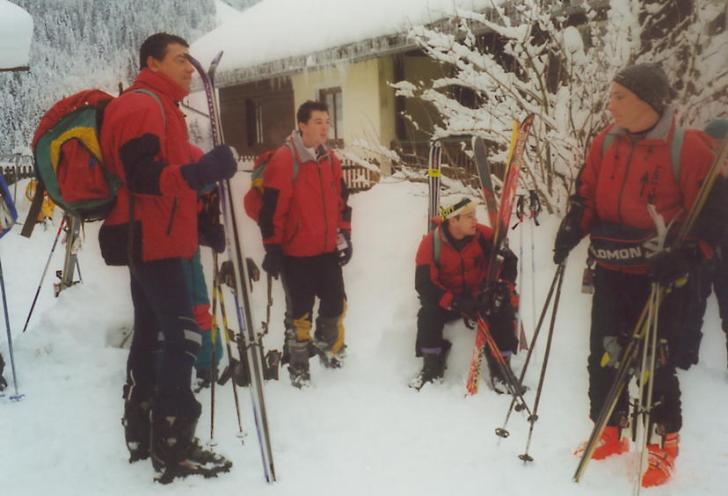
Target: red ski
column 510, row 183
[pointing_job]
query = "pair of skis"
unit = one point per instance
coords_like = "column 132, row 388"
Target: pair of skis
column 249, row 343
column 500, row 221
column 643, row 338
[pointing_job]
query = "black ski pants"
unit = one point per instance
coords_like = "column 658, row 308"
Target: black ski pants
column 305, row 279
column 618, row 301
column 166, row 339
column 711, row 275
column 431, row 320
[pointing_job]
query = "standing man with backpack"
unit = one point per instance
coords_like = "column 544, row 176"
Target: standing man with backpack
column 152, row 229
column 305, row 223
column 615, row 190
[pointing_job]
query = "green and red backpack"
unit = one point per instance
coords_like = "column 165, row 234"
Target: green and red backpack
column 67, row 157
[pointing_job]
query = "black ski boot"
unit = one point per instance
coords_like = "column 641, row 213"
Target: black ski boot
column 433, row 366
column 176, row 452
column 3, row 382
column 137, row 426
column 498, row 381
column 298, row 367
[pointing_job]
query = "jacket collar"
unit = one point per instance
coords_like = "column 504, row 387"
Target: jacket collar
column 661, row 131
column 160, row 84
column 304, row 155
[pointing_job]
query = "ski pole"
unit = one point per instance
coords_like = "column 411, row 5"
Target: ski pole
column 17, row 395
column 502, row 431
column 45, row 270
column 213, row 335
column 514, row 385
column 533, row 418
column 217, row 288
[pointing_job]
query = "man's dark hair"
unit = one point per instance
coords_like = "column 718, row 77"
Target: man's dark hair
column 304, row 111
column 156, row 46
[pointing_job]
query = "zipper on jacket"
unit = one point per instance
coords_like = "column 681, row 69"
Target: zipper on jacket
column 171, row 216
column 624, row 181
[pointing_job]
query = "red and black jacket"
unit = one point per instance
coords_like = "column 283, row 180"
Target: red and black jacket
column 303, row 209
column 616, row 185
column 460, row 268
column 145, row 142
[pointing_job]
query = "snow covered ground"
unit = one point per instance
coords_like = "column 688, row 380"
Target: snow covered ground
column 357, row 431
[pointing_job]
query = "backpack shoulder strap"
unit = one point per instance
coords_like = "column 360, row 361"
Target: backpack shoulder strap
column 676, row 151
column 295, row 160
column 436, row 246
column 156, row 99
column 608, row 140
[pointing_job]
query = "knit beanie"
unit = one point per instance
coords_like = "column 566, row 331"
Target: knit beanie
column 649, row 82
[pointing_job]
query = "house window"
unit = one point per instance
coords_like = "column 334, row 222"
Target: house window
column 332, row 98
column 254, row 122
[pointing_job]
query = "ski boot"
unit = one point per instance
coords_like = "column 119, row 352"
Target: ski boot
column 328, row 341
column 610, row 443
column 661, row 459
column 137, row 425
column 434, row 362
column 3, row 382
column 177, row 453
column 498, row 381
column 298, row 366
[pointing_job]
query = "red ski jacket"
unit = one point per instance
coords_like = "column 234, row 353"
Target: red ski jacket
column 616, row 185
column 145, row 142
column 304, row 200
column 448, row 268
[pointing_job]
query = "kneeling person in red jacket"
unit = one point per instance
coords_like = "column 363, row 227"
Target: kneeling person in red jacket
column 305, row 223
column 452, row 267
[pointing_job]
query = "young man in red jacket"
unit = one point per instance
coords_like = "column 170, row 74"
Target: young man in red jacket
column 452, row 267
column 305, row 223
column 622, row 179
column 152, row 229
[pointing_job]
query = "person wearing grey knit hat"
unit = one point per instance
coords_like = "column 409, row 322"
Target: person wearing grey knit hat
column 627, row 185
column 639, row 96
column 649, row 83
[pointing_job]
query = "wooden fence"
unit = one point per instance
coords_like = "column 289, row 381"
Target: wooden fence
column 14, row 167
column 356, row 177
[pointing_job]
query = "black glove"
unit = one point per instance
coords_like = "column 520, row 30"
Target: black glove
column 667, row 266
column 215, row 165
column 465, row 306
column 569, row 233
column 344, row 249
column 492, row 300
column 212, row 235
column 273, row 260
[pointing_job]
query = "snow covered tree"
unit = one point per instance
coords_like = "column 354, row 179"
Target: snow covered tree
column 539, row 57
column 80, row 44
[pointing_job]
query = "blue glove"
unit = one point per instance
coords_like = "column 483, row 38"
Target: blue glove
column 215, row 165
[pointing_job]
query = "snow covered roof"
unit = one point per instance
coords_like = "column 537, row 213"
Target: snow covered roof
column 274, row 30
column 16, row 31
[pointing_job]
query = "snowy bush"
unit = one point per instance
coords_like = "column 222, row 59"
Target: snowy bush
column 532, row 57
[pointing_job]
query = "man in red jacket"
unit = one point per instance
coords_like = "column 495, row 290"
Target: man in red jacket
column 152, row 229
column 628, row 172
column 305, row 223
column 452, row 267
